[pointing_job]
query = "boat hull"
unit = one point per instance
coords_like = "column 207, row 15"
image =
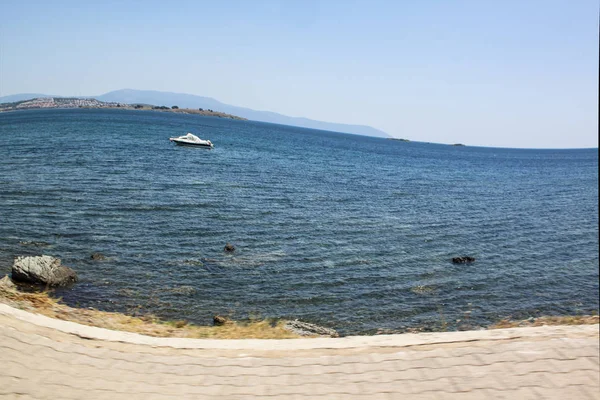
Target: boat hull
column 190, row 144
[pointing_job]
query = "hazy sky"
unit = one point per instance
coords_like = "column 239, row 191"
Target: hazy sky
column 519, row 73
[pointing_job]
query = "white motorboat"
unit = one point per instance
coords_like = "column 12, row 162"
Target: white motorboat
column 191, row 140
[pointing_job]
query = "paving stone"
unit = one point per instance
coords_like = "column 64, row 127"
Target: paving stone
column 42, row 362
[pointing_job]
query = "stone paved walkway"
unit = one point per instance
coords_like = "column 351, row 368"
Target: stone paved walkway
column 42, row 358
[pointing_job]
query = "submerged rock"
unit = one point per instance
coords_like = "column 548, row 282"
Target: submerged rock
column 33, row 243
column 306, row 329
column 422, row 289
column 127, row 292
column 44, row 270
column 195, row 263
column 229, row 248
column 463, row 260
column 183, row 290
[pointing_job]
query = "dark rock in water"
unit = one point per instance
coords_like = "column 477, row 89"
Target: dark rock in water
column 463, row 260
column 306, row 329
column 98, row 257
column 44, row 270
column 229, row 248
column 219, row 320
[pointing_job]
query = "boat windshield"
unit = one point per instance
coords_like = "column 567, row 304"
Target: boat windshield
column 190, row 137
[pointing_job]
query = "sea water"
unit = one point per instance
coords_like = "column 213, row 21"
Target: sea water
column 352, row 232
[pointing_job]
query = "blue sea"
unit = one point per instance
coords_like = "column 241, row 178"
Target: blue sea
column 351, row 232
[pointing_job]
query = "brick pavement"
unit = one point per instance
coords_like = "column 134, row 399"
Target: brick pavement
column 50, row 359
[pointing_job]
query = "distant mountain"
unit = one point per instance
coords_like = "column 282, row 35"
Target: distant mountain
column 169, row 99
column 23, row 96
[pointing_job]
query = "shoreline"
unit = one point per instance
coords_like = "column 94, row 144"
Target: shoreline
column 43, row 304
column 74, row 103
column 189, row 111
column 352, row 343
column 40, row 302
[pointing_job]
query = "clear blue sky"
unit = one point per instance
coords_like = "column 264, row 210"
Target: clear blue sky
column 519, row 73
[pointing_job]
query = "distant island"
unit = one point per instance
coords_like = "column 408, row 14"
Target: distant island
column 399, row 139
column 457, row 144
column 75, row 102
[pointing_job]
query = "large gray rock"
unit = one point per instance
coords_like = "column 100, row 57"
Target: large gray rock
column 44, row 270
column 306, row 329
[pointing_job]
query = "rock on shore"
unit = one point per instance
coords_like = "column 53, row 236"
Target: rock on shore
column 44, row 270
column 219, row 320
column 7, row 283
column 306, row 329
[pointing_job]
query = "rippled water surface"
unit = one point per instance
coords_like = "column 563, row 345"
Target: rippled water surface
column 351, row 232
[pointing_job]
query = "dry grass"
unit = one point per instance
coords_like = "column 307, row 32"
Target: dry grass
column 42, row 303
column 541, row 321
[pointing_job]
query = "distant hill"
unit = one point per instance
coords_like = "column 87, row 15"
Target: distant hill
column 169, row 99
column 52, row 102
column 23, row 96
column 89, row 102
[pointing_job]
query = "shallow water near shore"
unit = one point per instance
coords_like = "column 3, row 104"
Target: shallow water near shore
column 351, row 232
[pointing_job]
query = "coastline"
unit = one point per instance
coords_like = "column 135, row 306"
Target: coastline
column 92, row 104
column 42, row 303
column 203, row 113
column 192, row 111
